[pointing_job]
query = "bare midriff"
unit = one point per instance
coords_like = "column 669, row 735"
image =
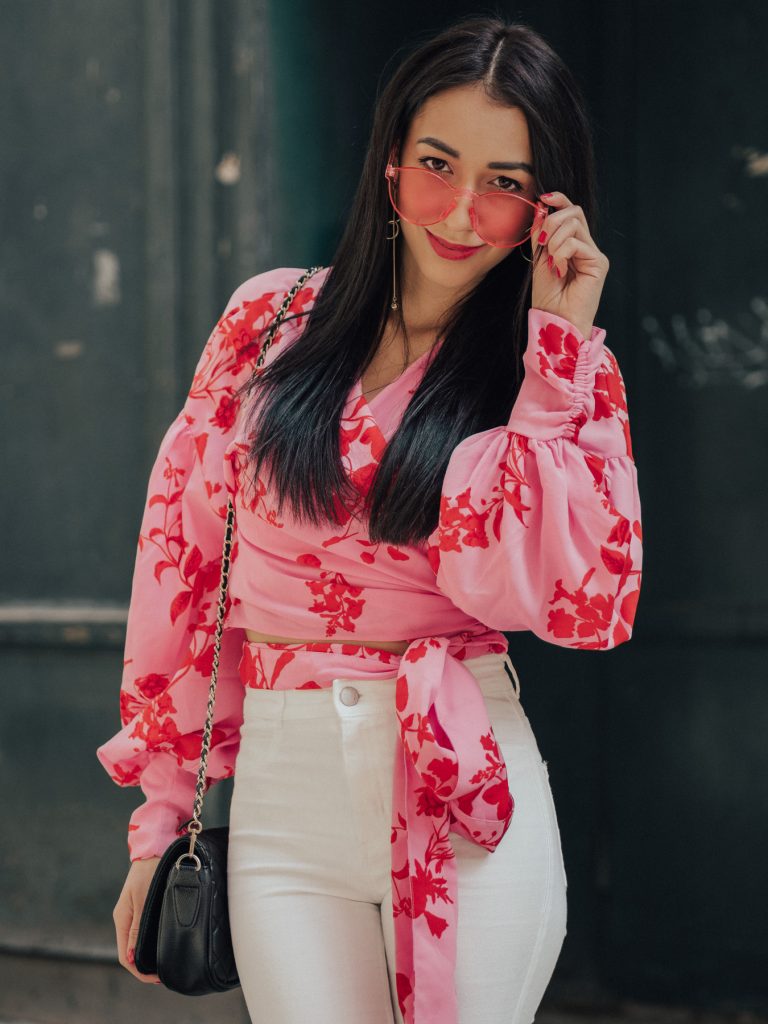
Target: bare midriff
column 397, row 646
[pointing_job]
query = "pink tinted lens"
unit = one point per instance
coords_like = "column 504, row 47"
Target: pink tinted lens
column 423, row 198
column 420, row 195
column 503, row 219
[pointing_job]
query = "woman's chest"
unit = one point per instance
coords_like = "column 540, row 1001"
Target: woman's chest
column 388, row 368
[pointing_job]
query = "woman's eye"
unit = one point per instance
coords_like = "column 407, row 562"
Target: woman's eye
column 512, row 186
column 516, row 186
column 424, row 160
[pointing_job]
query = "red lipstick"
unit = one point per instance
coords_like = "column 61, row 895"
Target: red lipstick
column 451, row 251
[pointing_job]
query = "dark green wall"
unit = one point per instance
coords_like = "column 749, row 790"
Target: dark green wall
column 156, row 154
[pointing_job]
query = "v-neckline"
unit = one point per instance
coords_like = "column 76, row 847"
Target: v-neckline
column 357, row 392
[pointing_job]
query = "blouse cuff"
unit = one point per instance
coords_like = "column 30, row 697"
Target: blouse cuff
column 170, row 793
column 556, row 396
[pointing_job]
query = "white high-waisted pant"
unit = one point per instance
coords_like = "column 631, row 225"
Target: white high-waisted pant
column 309, row 862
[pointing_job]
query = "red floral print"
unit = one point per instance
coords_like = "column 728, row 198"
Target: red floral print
column 539, row 529
column 563, row 344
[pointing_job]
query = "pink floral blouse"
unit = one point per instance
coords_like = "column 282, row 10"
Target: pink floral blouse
column 539, row 530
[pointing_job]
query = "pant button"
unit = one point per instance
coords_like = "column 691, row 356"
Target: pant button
column 349, row 695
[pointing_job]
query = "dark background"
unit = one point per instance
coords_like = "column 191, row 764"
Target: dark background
column 156, row 154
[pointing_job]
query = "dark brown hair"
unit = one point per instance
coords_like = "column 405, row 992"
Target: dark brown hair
column 472, row 382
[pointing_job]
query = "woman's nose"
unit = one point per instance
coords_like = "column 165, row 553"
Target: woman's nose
column 462, row 203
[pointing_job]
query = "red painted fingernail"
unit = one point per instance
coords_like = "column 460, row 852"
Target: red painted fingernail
column 543, row 236
column 558, row 272
column 549, row 261
column 544, row 195
column 130, row 955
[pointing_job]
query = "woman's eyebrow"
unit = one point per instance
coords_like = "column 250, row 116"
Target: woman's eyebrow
column 497, row 165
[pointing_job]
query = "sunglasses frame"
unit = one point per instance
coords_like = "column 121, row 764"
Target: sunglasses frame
column 391, row 175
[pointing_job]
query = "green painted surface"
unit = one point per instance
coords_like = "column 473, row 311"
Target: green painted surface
column 123, row 236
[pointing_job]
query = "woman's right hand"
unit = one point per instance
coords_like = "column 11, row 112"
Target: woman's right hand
column 127, row 913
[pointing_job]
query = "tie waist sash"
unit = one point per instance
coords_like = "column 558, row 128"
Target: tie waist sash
column 449, row 775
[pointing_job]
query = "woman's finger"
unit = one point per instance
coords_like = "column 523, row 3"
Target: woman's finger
column 563, row 214
column 570, row 226
column 133, row 935
column 557, row 199
column 558, row 248
column 126, row 935
column 122, row 916
column 553, row 249
column 587, row 258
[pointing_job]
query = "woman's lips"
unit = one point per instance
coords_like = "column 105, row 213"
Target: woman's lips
column 451, row 252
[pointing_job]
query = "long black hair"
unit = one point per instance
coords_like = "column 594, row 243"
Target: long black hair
column 471, row 383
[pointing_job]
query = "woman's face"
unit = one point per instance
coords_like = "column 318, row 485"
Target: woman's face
column 466, row 132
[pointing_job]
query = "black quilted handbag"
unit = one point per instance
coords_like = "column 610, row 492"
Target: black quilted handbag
column 184, row 934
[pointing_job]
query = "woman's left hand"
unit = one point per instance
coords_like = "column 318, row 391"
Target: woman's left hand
column 569, row 271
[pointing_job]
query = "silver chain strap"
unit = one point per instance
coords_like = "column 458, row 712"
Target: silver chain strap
column 194, row 825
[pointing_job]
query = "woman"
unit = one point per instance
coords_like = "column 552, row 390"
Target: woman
column 449, row 456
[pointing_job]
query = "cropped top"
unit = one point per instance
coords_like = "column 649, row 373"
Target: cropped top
column 539, row 529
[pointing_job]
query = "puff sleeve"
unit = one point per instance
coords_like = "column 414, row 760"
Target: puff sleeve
column 174, row 593
column 539, row 526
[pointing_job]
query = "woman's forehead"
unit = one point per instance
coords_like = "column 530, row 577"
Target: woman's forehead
column 472, row 126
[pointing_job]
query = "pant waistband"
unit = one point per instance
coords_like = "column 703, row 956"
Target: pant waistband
column 291, row 681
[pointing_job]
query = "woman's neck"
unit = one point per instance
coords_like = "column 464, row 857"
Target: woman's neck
column 423, row 303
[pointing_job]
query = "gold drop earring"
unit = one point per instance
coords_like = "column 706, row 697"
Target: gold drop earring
column 391, row 238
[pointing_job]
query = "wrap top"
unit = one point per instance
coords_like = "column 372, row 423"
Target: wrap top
column 539, row 529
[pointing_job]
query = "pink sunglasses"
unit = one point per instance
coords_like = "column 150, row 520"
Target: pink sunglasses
column 423, row 197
